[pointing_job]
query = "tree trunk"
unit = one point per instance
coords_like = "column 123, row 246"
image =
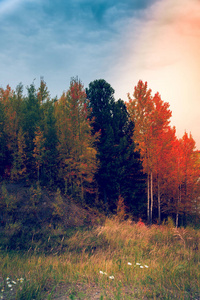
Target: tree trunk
column 151, row 212
column 159, row 213
column 179, row 201
column 148, row 200
column 177, row 219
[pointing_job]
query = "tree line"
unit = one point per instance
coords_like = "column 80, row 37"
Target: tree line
column 98, row 150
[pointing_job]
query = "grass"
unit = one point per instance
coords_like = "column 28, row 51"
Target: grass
column 140, row 262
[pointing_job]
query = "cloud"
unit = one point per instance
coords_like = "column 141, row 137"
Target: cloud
column 8, row 6
column 58, row 37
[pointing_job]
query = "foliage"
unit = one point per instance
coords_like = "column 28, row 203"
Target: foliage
column 30, row 215
column 119, row 169
column 76, row 144
column 121, row 209
column 94, row 149
column 171, row 165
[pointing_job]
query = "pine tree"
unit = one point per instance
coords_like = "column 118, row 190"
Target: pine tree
column 48, row 126
column 118, row 161
column 30, row 121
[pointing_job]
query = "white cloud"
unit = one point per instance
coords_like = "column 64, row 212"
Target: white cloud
column 9, row 6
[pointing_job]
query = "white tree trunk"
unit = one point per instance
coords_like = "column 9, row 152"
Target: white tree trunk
column 151, row 212
column 148, row 199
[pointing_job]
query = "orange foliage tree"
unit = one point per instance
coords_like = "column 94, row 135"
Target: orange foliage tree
column 152, row 136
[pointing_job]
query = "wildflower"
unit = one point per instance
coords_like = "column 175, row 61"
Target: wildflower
column 130, row 264
column 2, row 290
column 105, row 273
column 138, row 264
column 9, row 285
column 14, row 282
column 146, row 266
column 21, row 279
column 141, row 267
column 7, row 278
column 111, row 277
column 101, row 272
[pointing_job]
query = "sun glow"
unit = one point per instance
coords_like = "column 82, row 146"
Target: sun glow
column 166, row 54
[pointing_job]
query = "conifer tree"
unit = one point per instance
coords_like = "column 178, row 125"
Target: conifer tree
column 30, row 121
column 48, row 126
column 118, row 163
column 3, row 146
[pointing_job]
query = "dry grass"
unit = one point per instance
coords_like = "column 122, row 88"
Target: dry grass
column 172, row 256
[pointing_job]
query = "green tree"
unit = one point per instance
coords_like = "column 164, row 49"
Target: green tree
column 19, row 158
column 48, row 126
column 118, row 163
column 3, row 146
column 30, row 121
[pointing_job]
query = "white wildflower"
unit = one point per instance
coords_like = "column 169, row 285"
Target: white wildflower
column 7, row 278
column 21, row 279
column 9, row 285
column 111, row 277
column 146, row 266
column 138, row 264
column 130, row 264
column 101, row 272
column 14, row 282
column 141, row 267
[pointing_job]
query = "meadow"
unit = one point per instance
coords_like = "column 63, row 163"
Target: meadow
column 112, row 260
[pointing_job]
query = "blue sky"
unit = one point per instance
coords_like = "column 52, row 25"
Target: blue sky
column 60, row 39
column 123, row 41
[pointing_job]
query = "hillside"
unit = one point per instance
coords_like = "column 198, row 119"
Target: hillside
column 31, row 215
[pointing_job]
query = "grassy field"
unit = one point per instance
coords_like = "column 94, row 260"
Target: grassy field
column 116, row 260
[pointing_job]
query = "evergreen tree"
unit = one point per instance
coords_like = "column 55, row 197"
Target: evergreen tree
column 3, row 147
column 30, row 121
column 48, row 125
column 118, row 162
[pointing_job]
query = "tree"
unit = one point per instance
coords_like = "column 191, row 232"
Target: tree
column 43, row 93
column 118, row 163
column 48, row 127
column 190, row 173
column 38, row 151
column 140, row 109
column 77, row 154
column 151, row 117
column 18, row 170
column 30, row 120
column 3, row 146
column 101, row 101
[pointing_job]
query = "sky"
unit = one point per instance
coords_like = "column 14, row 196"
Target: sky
column 121, row 41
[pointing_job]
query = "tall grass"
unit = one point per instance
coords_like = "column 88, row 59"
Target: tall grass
column 119, row 260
